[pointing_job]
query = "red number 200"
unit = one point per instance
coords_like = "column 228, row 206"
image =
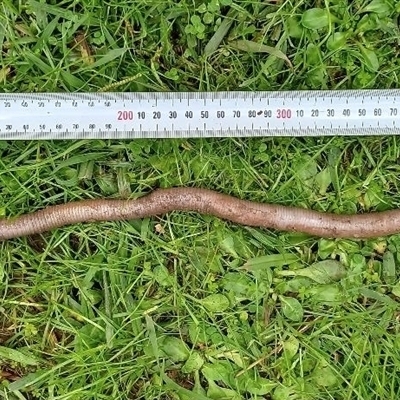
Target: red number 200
column 125, row 115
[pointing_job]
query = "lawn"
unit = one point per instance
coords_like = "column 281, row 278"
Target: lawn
column 187, row 306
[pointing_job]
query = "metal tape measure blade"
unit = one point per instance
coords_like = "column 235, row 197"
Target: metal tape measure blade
column 198, row 114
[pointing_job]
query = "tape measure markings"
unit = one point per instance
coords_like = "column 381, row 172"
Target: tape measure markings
column 198, row 114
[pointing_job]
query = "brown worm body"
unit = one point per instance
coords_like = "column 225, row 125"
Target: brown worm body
column 209, row 202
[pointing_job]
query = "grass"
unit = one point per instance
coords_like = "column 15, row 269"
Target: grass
column 188, row 306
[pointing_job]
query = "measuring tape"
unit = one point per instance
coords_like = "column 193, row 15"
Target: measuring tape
column 204, row 114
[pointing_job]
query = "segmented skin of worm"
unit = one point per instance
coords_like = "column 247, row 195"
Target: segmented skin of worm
column 209, row 202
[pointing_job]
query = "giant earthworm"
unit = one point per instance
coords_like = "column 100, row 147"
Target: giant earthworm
column 204, row 201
